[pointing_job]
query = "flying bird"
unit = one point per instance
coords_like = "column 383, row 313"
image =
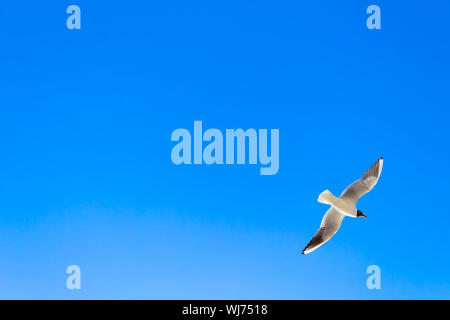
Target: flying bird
column 343, row 206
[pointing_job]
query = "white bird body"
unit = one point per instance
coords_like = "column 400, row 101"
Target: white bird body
column 343, row 206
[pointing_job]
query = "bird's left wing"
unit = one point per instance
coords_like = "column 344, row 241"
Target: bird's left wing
column 331, row 223
column 360, row 187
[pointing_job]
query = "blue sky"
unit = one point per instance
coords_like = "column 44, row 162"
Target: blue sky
column 87, row 178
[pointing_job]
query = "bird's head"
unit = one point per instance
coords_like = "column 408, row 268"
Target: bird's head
column 360, row 214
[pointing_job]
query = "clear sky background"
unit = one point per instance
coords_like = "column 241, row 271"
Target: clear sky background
column 86, row 176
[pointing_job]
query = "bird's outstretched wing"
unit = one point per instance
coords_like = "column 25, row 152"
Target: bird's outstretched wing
column 360, row 187
column 331, row 223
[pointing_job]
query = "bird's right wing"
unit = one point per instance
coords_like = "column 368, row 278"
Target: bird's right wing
column 363, row 185
column 331, row 223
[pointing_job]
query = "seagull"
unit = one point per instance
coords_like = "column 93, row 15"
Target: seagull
column 343, row 206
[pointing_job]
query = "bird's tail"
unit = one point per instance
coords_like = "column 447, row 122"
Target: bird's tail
column 327, row 197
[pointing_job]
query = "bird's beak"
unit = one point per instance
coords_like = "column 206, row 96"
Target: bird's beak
column 364, row 215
